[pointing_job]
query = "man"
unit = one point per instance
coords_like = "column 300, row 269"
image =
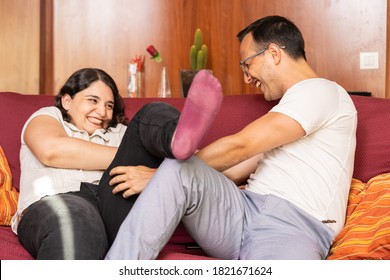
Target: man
column 295, row 199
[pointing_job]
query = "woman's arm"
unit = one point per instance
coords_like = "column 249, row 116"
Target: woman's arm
column 48, row 141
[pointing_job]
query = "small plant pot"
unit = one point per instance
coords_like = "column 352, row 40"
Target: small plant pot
column 186, row 77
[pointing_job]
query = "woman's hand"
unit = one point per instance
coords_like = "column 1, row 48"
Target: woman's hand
column 130, row 179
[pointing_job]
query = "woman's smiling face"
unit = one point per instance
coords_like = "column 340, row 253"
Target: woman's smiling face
column 91, row 108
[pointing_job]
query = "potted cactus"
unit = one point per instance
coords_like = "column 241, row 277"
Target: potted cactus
column 198, row 61
column 198, row 52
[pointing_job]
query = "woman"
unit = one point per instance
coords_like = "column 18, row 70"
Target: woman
column 62, row 146
column 63, row 213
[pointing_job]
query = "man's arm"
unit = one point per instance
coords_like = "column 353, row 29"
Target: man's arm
column 266, row 133
column 239, row 173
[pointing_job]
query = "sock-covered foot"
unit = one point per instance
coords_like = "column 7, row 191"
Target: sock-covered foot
column 202, row 105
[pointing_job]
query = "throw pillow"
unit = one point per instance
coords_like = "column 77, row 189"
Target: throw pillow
column 8, row 194
column 366, row 234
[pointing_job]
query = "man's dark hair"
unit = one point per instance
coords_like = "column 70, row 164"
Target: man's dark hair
column 277, row 30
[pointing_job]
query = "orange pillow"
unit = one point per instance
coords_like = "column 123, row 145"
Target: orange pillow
column 8, row 194
column 366, row 234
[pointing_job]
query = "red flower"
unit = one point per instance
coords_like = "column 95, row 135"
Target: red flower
column 154, row 53
column 139, row 60
column 152, row 50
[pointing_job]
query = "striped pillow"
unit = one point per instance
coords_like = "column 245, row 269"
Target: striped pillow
column 366, row 234
column 8, row 194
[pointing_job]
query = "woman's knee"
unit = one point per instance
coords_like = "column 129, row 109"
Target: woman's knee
column 73, row 229
column 157, row 112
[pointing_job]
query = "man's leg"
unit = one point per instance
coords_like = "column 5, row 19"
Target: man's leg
column 278, row 230
column 157, row 132
column 210, row 204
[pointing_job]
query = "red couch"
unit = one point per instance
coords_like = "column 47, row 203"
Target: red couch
column 372, row 154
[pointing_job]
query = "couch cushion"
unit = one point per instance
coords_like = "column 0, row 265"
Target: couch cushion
column 366, row 234
column 182, row 252
column 16, row 109
column 10, row 248
column 372, row 136
column 8, row 194
column 236, row 112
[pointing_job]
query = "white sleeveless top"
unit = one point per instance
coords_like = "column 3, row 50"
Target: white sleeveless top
column 38, row 180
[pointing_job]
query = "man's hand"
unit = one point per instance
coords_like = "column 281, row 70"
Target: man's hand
column 130, row 179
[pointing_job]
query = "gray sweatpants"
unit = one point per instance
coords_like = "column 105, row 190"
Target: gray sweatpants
column 226, row 222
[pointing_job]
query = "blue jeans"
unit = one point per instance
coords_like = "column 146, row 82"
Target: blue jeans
column 82, row 225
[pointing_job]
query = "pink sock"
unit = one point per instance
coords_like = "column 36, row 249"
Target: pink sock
column 202, row 105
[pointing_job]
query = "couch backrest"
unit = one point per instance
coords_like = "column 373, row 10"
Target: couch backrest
column 373, row 134
column 15, row 109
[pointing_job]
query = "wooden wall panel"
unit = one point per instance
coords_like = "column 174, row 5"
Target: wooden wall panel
column 107, row 34
column 46, row 51
column 348, row 28
column 335, row 33
column 19, row 46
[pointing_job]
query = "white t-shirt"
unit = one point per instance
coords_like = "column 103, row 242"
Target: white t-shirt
column 38, row 180
column 314, row 172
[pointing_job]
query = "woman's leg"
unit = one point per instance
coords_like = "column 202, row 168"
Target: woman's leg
column 64, row 227
column 149, row 139
column 146, row 142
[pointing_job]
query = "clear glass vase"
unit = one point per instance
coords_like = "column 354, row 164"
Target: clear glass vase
column 135, row 81
column 164, row 89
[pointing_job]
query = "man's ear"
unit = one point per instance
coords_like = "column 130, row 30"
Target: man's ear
column 66, row 101
column 275, row 52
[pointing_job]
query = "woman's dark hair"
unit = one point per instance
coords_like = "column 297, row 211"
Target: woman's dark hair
column 277, row 30
column 81, row 80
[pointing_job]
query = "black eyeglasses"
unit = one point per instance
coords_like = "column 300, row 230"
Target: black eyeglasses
column 245, row 67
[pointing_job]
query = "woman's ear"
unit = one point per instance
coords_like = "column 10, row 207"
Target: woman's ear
column 66, row 101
